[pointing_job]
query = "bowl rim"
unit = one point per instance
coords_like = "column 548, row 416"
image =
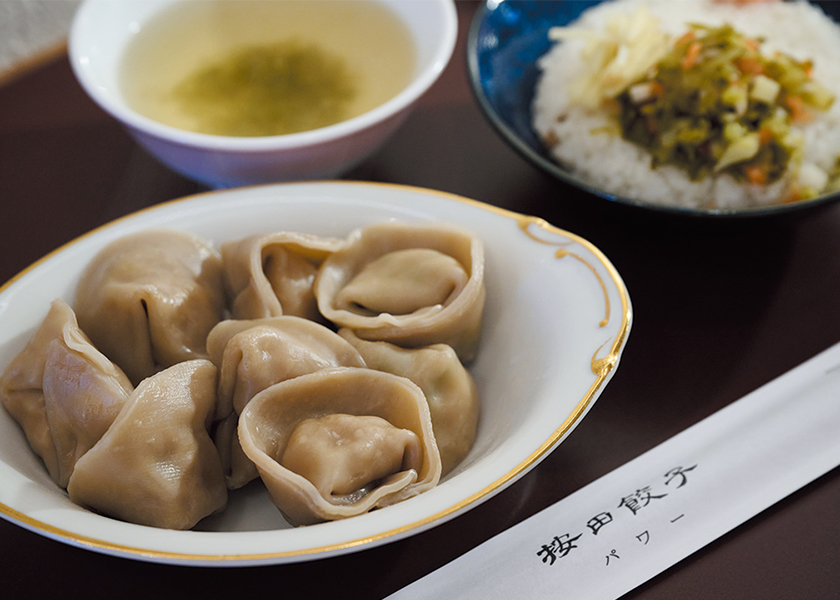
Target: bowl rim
column 549, row 166
column 603, row 367
column 419, row 84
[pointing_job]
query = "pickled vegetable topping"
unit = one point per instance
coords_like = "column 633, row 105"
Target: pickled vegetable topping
column 716, row 103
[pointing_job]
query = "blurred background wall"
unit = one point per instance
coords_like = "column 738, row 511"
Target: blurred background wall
column 31, row 30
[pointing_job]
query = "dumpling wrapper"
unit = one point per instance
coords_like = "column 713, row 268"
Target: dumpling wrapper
column 238, row 469
column 411, row 285
column 341, row 455
column 448, row 386
column 402, row 282
column 271, row 418
column 254, row 354
column 157, row 465
column 63, row 392
column 148, row 300
column 269, row 275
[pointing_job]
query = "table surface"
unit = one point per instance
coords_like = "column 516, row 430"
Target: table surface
column 719, row 309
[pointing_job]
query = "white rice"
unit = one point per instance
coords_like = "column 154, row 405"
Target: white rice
column 796, row 28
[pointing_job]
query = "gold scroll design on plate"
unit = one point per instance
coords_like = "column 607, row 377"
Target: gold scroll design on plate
column 599, row 366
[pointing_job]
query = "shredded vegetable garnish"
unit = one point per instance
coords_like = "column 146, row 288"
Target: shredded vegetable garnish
column 616, row 57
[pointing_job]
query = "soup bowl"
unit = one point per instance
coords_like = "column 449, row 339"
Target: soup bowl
column 103, row 31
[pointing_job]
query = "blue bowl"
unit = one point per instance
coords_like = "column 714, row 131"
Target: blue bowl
column 506, row 39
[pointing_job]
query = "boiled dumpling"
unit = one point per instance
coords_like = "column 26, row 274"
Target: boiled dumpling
column 157, row 465
column 412, row 285
column 63, row 392
column 448, row 386
column 269, row 275
column 402, row 282
column 319, row 426
column 148, row 300
column 254, row 354
column 342, row 454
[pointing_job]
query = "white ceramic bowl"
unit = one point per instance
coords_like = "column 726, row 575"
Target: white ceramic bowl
column 556, row 320
column 102, row 29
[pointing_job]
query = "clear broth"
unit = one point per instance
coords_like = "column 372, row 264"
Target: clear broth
column 266, row 67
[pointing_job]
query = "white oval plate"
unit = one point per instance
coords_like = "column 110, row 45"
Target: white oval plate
column 556, row 321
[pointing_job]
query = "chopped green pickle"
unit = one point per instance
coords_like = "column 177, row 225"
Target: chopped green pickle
column 273, row 89
column 716, row 103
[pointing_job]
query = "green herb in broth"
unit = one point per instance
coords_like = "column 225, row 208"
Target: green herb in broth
column 360, row 53
column 273, row 89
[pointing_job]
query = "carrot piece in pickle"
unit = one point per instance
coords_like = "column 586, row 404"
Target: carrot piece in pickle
column 691, row 55
column 757, row 175
column 798, row 112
